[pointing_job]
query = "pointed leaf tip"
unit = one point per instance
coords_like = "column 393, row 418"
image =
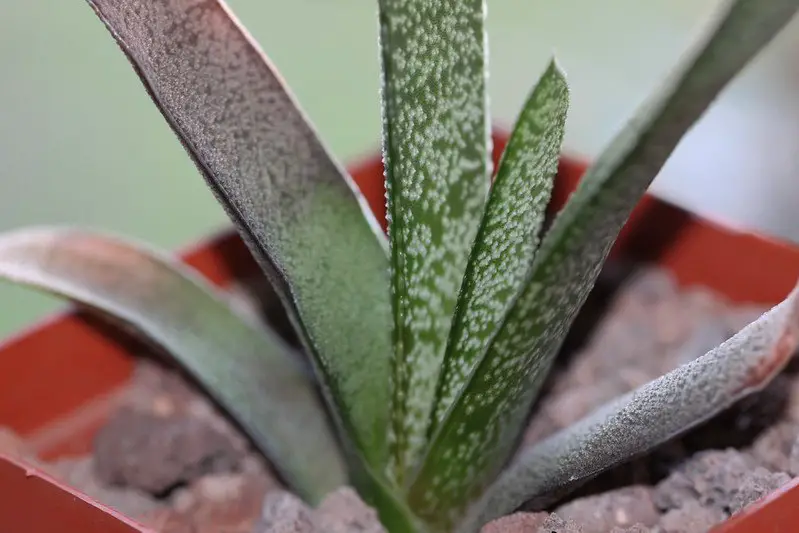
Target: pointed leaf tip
column 502, row 257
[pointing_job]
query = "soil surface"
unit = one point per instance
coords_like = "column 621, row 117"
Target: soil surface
column 169, row 459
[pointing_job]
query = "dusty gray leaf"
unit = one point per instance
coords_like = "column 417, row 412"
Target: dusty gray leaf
column 436, row 146
column 249, row 369
column 296, row 209
column 478, row 435
column 650, row 415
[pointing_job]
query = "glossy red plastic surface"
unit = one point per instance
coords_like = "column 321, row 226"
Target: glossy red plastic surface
column 33, row 502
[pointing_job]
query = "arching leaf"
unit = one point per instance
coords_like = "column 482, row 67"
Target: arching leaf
column 650, row 415
column 248, row 369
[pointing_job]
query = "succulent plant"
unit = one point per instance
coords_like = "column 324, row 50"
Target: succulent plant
column 429, row 346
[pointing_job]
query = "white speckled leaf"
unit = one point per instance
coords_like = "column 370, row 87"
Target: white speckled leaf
column 437, row 151
column 508, row 238
column 481, row 429
column 296, row 209
column 253, row 374
column 650, row 415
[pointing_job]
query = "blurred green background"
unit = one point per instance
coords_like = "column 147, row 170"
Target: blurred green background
column 81, row 143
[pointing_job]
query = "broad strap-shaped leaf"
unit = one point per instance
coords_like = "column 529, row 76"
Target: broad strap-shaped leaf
column 640, row 420
column 482, row 428
column 436, row 148
column 296, row 209
column 248, row 369
column 508, row 237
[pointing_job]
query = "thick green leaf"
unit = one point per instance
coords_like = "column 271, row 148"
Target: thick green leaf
column 654, row 413
column 437, row 151
column 508, row 237
column 482, row 428
column 292, row 203
column 253, row 374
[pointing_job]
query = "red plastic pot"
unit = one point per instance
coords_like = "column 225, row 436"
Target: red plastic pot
column 59, row 380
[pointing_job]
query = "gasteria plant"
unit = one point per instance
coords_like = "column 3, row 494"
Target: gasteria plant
column 429, row 347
